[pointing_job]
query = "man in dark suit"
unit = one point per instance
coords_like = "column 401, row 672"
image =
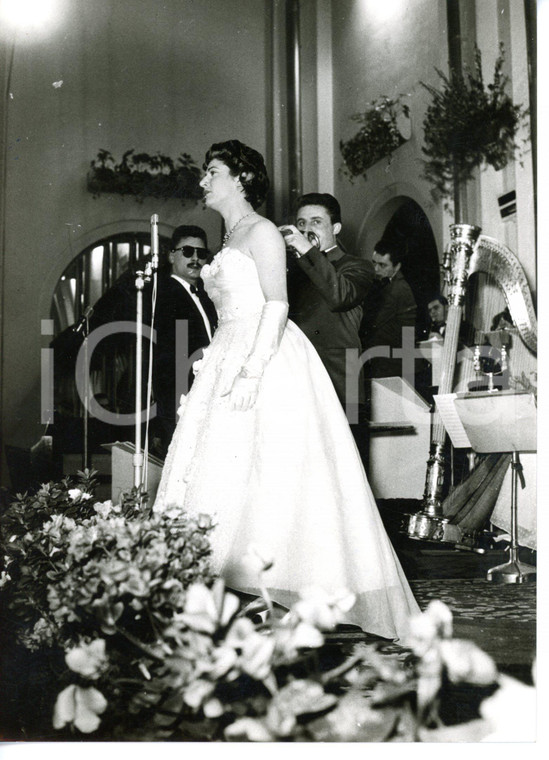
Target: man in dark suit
column 185, row 319
column 437, row 308
column 326, row 288
column 389, row 306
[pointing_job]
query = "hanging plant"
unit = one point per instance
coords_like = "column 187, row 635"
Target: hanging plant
column 468, row 125
column 142, row 175
column 384, row 127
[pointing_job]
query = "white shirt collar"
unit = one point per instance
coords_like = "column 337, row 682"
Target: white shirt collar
column 196, row 299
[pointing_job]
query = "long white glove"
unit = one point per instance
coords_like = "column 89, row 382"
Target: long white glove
column 270, row 330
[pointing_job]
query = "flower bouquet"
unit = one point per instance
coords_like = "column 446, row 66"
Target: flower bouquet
column 115, row 616
column 142, row 175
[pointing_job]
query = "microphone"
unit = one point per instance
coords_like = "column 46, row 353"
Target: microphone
column 154, row 240
column 314, row 239
column 79, row 326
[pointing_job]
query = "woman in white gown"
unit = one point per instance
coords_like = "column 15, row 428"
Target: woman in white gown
column 262, row 443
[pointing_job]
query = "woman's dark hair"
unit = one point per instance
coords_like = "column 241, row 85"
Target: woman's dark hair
column 245, row 163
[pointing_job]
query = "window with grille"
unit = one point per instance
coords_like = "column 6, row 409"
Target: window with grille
column 94, row 271
column 102, row 276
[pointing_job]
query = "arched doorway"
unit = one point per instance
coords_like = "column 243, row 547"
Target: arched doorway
column 101, row 276
column 409, row 227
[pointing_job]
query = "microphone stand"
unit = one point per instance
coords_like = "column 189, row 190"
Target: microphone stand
column 142, row 277
column 84, row 325
column 85, row 455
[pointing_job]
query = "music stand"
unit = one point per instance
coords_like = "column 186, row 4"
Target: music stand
column 498, row 422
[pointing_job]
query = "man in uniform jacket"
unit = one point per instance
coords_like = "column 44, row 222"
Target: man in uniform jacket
column 183, row 308
column 326, row 288
column 389, row 307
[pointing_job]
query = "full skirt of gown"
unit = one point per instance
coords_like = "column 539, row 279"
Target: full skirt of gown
column 286, row 475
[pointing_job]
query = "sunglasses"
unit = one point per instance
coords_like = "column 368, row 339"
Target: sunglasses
column 189, row 250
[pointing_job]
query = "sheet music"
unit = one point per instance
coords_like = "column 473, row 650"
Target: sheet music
column 451, row 421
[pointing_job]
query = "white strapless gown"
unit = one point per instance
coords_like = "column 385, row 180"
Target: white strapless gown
column 285, row 475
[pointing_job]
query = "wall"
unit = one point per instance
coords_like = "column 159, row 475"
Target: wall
column 379, row 49
column 387, row 48
column 172, row 77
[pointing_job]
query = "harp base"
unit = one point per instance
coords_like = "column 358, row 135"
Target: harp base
column 427, row 527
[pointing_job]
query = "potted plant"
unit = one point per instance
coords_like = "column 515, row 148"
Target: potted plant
column 142, row 175
column 468, row 125
column 385, row 125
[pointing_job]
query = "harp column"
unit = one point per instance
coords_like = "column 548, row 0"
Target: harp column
column 429, row 523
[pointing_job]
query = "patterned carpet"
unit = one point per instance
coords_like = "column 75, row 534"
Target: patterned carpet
column 499, row 618
column 479, row 599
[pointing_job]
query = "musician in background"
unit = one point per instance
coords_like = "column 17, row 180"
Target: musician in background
column 181, row 297
column 437, row 308
column 503, row 321
column 326, row 287
column 389, row 307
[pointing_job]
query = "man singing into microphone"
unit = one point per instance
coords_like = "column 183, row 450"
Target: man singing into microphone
column 326, row 288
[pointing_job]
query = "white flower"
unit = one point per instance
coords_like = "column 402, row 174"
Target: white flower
column 511, row 711
column 4, row 578
column 206, row 610
column 198, row 692
column 323, row 610
column 213, row 708
column 87, row 659
column 291, row 638
column 79, row 706
column 104, row 508
column 256, row 650
column 248, row 729
column 223, row 659
column 466, row 663
column 429, row 627
column 76, row 493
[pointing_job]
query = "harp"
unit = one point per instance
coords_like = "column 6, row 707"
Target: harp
column 469, row 252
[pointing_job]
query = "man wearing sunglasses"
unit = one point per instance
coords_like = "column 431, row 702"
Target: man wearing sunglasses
column 185, row 320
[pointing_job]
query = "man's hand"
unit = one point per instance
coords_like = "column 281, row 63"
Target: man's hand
column 296, row 239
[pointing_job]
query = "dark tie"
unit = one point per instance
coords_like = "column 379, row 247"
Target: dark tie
column 200, row 293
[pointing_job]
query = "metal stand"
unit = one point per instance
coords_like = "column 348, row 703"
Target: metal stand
column 513, row 571
column 138, row 456
column 142, row 277
column 85, row 452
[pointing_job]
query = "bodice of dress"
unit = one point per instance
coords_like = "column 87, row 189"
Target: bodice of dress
column 232, row 282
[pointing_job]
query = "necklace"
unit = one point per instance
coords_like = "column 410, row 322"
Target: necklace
column 228, row 234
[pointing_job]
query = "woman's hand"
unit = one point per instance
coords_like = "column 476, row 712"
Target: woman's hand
column 243, row 393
